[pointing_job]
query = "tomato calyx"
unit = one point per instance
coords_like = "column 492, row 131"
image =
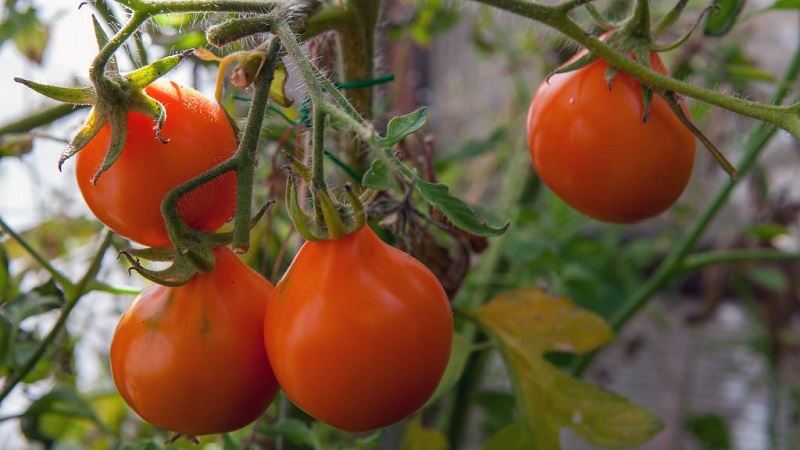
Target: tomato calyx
column 195, row 256
column 111, row 96
column 332, row 218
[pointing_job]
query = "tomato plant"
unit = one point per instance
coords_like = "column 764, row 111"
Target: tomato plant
column 590, row 145
column 127, row 197
column 358, row 332
column 191, row 359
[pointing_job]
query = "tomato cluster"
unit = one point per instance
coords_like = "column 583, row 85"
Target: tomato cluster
column 356, row 333
column 590, row 144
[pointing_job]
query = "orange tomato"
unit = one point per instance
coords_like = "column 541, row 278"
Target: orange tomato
column 128, row 196
column 590, row 146
column 191, row 359
column 358, row 332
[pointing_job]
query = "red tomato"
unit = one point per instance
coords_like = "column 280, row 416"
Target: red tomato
column 590, row 146
column 358, row 332
column 191, row 359
column 127, row 197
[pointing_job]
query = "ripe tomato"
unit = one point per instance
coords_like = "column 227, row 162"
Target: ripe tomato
column 589, row 144
column 191, row 359
column 358, row 332
column 127, row 197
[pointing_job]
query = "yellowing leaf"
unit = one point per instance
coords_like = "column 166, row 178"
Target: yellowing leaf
column 527, row 323
column 418, row 437
column 540, row 322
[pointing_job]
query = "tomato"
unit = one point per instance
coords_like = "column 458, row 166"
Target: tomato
column 191, row 359
column 127, row 197
column 358, row 332
column 590, row 146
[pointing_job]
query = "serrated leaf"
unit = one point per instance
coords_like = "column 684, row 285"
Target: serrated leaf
column 459, row 213
column 377, row 176
column 527, row 323
column 720, row 22
column 418, row 437
column 401, row 126
column 294, row 431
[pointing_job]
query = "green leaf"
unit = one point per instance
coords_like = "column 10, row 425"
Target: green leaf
column 474, row 148
column 46, row 418
column 294, row 431
column 462, row 348
column 711, row 430
column 401, row 126
column 720, row 22
column 419, row 438
column 378, row 176
column 769, row 278
column 786, row 4
column 514, row 437
column 458, row 212
column 527, row 323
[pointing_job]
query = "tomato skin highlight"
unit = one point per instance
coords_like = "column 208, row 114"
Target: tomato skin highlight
column 191, row 359
column 128, row 196
column 590, row 146
column 358, row 332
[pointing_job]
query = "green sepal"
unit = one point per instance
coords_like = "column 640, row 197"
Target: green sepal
column 176, row 274
column 642, row 55
column 300, row 218
column 94, row 123
column 145, row 75
column 334, row 225
column 579, row 63
column 75, row 96
column 298, row 167
column 148, row 106
column 610, row 74
column 102, row 40
column 119, row 132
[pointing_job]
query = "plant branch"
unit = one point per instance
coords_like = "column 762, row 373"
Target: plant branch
column 699, row 260
column 675, row 259
column 74, row 294
column 786, row 117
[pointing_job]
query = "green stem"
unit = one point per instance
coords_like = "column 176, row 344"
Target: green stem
column 74, row 294
column 98, row 67
column 39, row 118
column 699, row 260
column 246, row 153
column 786, row 117
column 675, row 259
column 59, row 277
